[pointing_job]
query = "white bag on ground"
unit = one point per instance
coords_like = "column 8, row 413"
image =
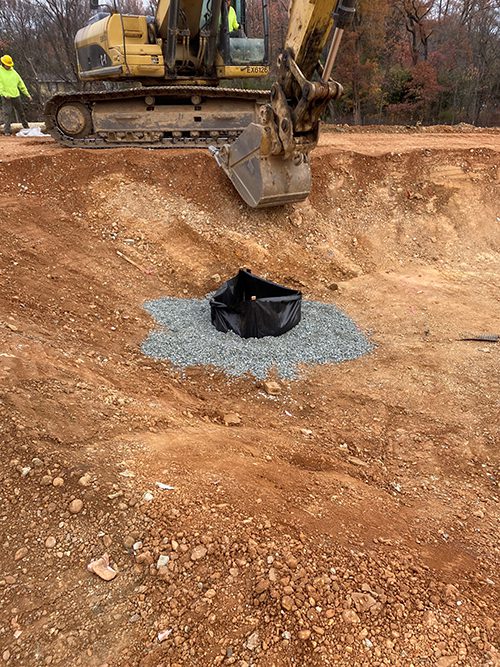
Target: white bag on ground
column 31, row 132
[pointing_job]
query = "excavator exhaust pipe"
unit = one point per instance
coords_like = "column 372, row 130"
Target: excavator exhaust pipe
column 261, row 178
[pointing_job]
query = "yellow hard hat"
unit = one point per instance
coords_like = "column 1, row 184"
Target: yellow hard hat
column 7, row 61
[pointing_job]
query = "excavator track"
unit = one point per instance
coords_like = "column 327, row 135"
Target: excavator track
column 153, row 117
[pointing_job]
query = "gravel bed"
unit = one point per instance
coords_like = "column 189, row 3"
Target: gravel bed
column 186, row 337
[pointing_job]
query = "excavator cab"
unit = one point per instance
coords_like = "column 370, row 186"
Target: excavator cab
column 186, row 39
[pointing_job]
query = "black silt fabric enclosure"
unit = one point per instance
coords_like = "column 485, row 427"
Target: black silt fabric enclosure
column 253, row 307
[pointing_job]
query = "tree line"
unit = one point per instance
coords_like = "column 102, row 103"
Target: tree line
column 403, row 61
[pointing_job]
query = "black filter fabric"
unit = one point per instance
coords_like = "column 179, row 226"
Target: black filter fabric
column 253, row 307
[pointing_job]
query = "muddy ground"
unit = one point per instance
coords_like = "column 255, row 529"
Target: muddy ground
column 352, row 519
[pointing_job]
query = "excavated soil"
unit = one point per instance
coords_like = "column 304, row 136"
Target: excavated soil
column 350, row 517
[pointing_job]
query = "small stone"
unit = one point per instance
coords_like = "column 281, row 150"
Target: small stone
column 46, row 480
column 488, row 622
column 429, row 619
column 164, row 634
column 128, row 542
column 198, row 552
column 363, row 601
column 231, row 419
column 76, row 506
column 20, row 553
column 162, row 561
column 357, row 462
column 287, row 603
column 262, row 586
column 50, row 542
column 272, row 388
column 350, row 616
column 102, row 568
column 286, row 635
column 148, row 496
column 144, row 558
column 210, row 593
column 25, row 471
column 253, row 641
column 447, row 661
column 58, row 481
column 85, row 480
column 303, row 634
column 6, row 655
column 107, row 541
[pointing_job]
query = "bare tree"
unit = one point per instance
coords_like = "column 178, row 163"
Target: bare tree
column 416, row 14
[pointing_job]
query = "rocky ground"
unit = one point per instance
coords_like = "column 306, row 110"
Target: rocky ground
column 350, row 517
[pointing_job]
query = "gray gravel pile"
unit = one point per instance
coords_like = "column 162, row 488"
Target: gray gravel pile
column 187, row 338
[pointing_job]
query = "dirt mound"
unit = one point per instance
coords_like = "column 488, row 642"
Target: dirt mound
column 347, row 518
column 466, row 128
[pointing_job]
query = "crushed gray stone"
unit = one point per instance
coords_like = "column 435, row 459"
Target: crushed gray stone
column 187, row 338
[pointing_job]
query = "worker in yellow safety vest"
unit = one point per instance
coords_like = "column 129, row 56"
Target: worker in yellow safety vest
column 11, row 88
column 232, row 21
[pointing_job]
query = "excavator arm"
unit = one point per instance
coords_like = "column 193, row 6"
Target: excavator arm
column 269, row 162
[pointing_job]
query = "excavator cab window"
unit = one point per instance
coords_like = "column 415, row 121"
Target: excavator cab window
column 248, row 44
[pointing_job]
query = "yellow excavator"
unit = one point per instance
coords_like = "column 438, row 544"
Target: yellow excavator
column 177, row 59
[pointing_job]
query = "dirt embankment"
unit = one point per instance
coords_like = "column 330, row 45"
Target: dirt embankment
column 350, row 520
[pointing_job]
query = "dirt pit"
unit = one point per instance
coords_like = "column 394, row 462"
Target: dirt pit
column 349, row 517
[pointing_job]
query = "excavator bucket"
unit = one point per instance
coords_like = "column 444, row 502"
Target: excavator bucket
column 263, row 179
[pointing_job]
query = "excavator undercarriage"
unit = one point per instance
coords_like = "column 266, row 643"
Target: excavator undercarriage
column 153, row 117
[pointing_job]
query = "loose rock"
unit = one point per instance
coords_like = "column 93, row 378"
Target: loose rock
column 85, row 480
column 20, row 553
column 253, row 641
column 231, row 419
column 272, row 388
column 350, row 616
column 76, row 506
column 102, row 568
column 198, row 552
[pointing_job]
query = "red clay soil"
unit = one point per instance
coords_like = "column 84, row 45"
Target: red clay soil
column 353, row 518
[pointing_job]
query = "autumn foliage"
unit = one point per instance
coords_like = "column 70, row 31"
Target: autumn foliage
column 418, row 61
